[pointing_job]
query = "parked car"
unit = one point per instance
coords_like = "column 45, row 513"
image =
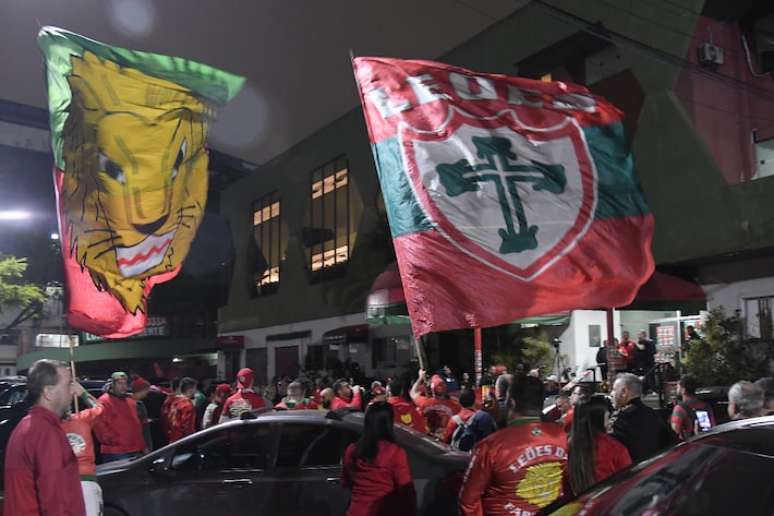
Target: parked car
column 281, row 463
column 725, row 471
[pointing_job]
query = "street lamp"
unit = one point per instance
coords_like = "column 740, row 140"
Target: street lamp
column 14, row 215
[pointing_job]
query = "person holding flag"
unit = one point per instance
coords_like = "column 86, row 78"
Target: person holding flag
column 406, row 413
column 438, row 408
column 119, row 429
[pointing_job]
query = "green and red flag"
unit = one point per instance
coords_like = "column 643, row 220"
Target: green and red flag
column 128, row 132
column 507, row 197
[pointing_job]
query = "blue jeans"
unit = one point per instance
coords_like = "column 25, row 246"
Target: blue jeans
column 112, row 457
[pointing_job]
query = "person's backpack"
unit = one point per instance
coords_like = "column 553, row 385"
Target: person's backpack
column 469, row 432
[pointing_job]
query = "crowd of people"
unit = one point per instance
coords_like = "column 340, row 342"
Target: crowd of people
column 523, row 458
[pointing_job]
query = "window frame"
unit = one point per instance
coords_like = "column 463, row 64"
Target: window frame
column 338, row 268
column 769, row 301
column 261, row 203
column 321, row 429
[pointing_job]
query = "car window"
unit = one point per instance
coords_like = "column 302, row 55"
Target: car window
column 310, row 445
column 230, row 448
column 688, row 481
column 13, row 396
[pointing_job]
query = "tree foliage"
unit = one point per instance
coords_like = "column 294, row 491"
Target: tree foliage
column 724, row 355
column 15, row 292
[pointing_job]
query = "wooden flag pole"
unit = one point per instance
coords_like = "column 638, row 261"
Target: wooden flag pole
column 72, row 369
column 420, row 349
column 609, row 343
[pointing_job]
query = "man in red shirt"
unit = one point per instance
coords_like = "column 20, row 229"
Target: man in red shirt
column 519, row 469
column 467, row 400
column 691, row 415
column 346, row 397
column 439, row 408
column 119, row 429
column 245, row 399
column 41, row 472
column 406, row 413
column 626, row 349
column 181, row 416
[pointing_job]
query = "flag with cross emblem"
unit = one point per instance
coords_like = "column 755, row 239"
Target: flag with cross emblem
column 506, row 197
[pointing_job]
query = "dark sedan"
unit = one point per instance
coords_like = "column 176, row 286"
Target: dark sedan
column 728, row 470
column 282, row 463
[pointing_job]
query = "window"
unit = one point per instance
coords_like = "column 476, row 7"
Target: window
column 269, row 243
column 245, row 447
column 329, row 234
column 313, row 445
column 758, row 317
column 595, row 335
column 391, row 352
column 764, row 156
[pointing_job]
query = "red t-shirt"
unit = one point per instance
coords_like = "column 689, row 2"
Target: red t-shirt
column 437, row 412
column 340, row 403
column 567, row 421
column 626, row 348
column 381, row 487
column 610, row 456
column 244, row 400
column 181, row 418
column 516, row 470
column 118, row 428
column 78, row 428
column 407, row 414
column 41, row 472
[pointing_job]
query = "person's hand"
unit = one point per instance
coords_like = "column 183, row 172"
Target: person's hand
column 356, row 389
column 422, row 373
column 78, row 389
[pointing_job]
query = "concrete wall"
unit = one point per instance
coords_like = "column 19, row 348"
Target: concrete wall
column 730, row 296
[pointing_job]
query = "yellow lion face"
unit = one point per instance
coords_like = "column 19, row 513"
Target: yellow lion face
column 135, row 181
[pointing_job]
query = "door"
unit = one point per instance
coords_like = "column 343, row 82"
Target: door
column 307, row 474
column 221, row 472
column 255, row 359
column 286, row 361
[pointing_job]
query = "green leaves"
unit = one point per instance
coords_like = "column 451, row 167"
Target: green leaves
column 13, row 290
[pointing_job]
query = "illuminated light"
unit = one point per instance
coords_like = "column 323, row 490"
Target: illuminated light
column 177, row 360
column 136, row 18
column 15, row 215
column 54, row 236
column 547, row 77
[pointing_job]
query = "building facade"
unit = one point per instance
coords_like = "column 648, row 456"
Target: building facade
column 309, row 226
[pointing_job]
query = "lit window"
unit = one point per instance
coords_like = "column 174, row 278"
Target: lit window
column 329, row 234
column 269, row 243
column 547, row 77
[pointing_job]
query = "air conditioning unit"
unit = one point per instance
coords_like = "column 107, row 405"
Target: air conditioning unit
column 764, row 43
column 710, row 55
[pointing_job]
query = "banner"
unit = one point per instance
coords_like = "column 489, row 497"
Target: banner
column 128, row 132
column 507, row 197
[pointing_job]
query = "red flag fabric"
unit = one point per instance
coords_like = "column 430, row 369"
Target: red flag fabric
column 507, row 197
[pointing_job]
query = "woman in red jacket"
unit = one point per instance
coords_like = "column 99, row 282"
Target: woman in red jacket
column 377, row 470
column 593, row 454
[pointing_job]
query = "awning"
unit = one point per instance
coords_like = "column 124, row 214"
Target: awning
column 386, row 304
column 346, row 334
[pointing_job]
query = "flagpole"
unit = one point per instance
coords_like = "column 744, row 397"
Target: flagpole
column 610, row 342
column 72, row 369
column 477, row 354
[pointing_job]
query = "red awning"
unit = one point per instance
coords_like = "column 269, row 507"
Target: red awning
column 665, row 287
column 387, row 289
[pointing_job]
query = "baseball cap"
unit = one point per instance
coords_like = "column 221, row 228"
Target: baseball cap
column 223, row 389
column 118, row 375
column 245, row 377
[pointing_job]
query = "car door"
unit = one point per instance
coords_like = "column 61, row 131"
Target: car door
column 221, row 472
column 306, row 477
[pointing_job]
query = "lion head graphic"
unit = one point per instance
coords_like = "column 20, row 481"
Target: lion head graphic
column 136, row 174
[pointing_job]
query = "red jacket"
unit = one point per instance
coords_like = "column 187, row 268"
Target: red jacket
column 407, row 414
column 119, row 429
column 243, row 400
column 437, row 412
column 516, row 470
column 382, row 487
column 41, row 472
column 181, row 418
column 340, row 403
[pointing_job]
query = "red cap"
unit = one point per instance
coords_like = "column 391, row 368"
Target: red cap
column 223, row 389
column 245, row 377
column 140, row 384
column 437, row 384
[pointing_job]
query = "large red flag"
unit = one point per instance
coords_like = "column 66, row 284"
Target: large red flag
column 506, row 197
